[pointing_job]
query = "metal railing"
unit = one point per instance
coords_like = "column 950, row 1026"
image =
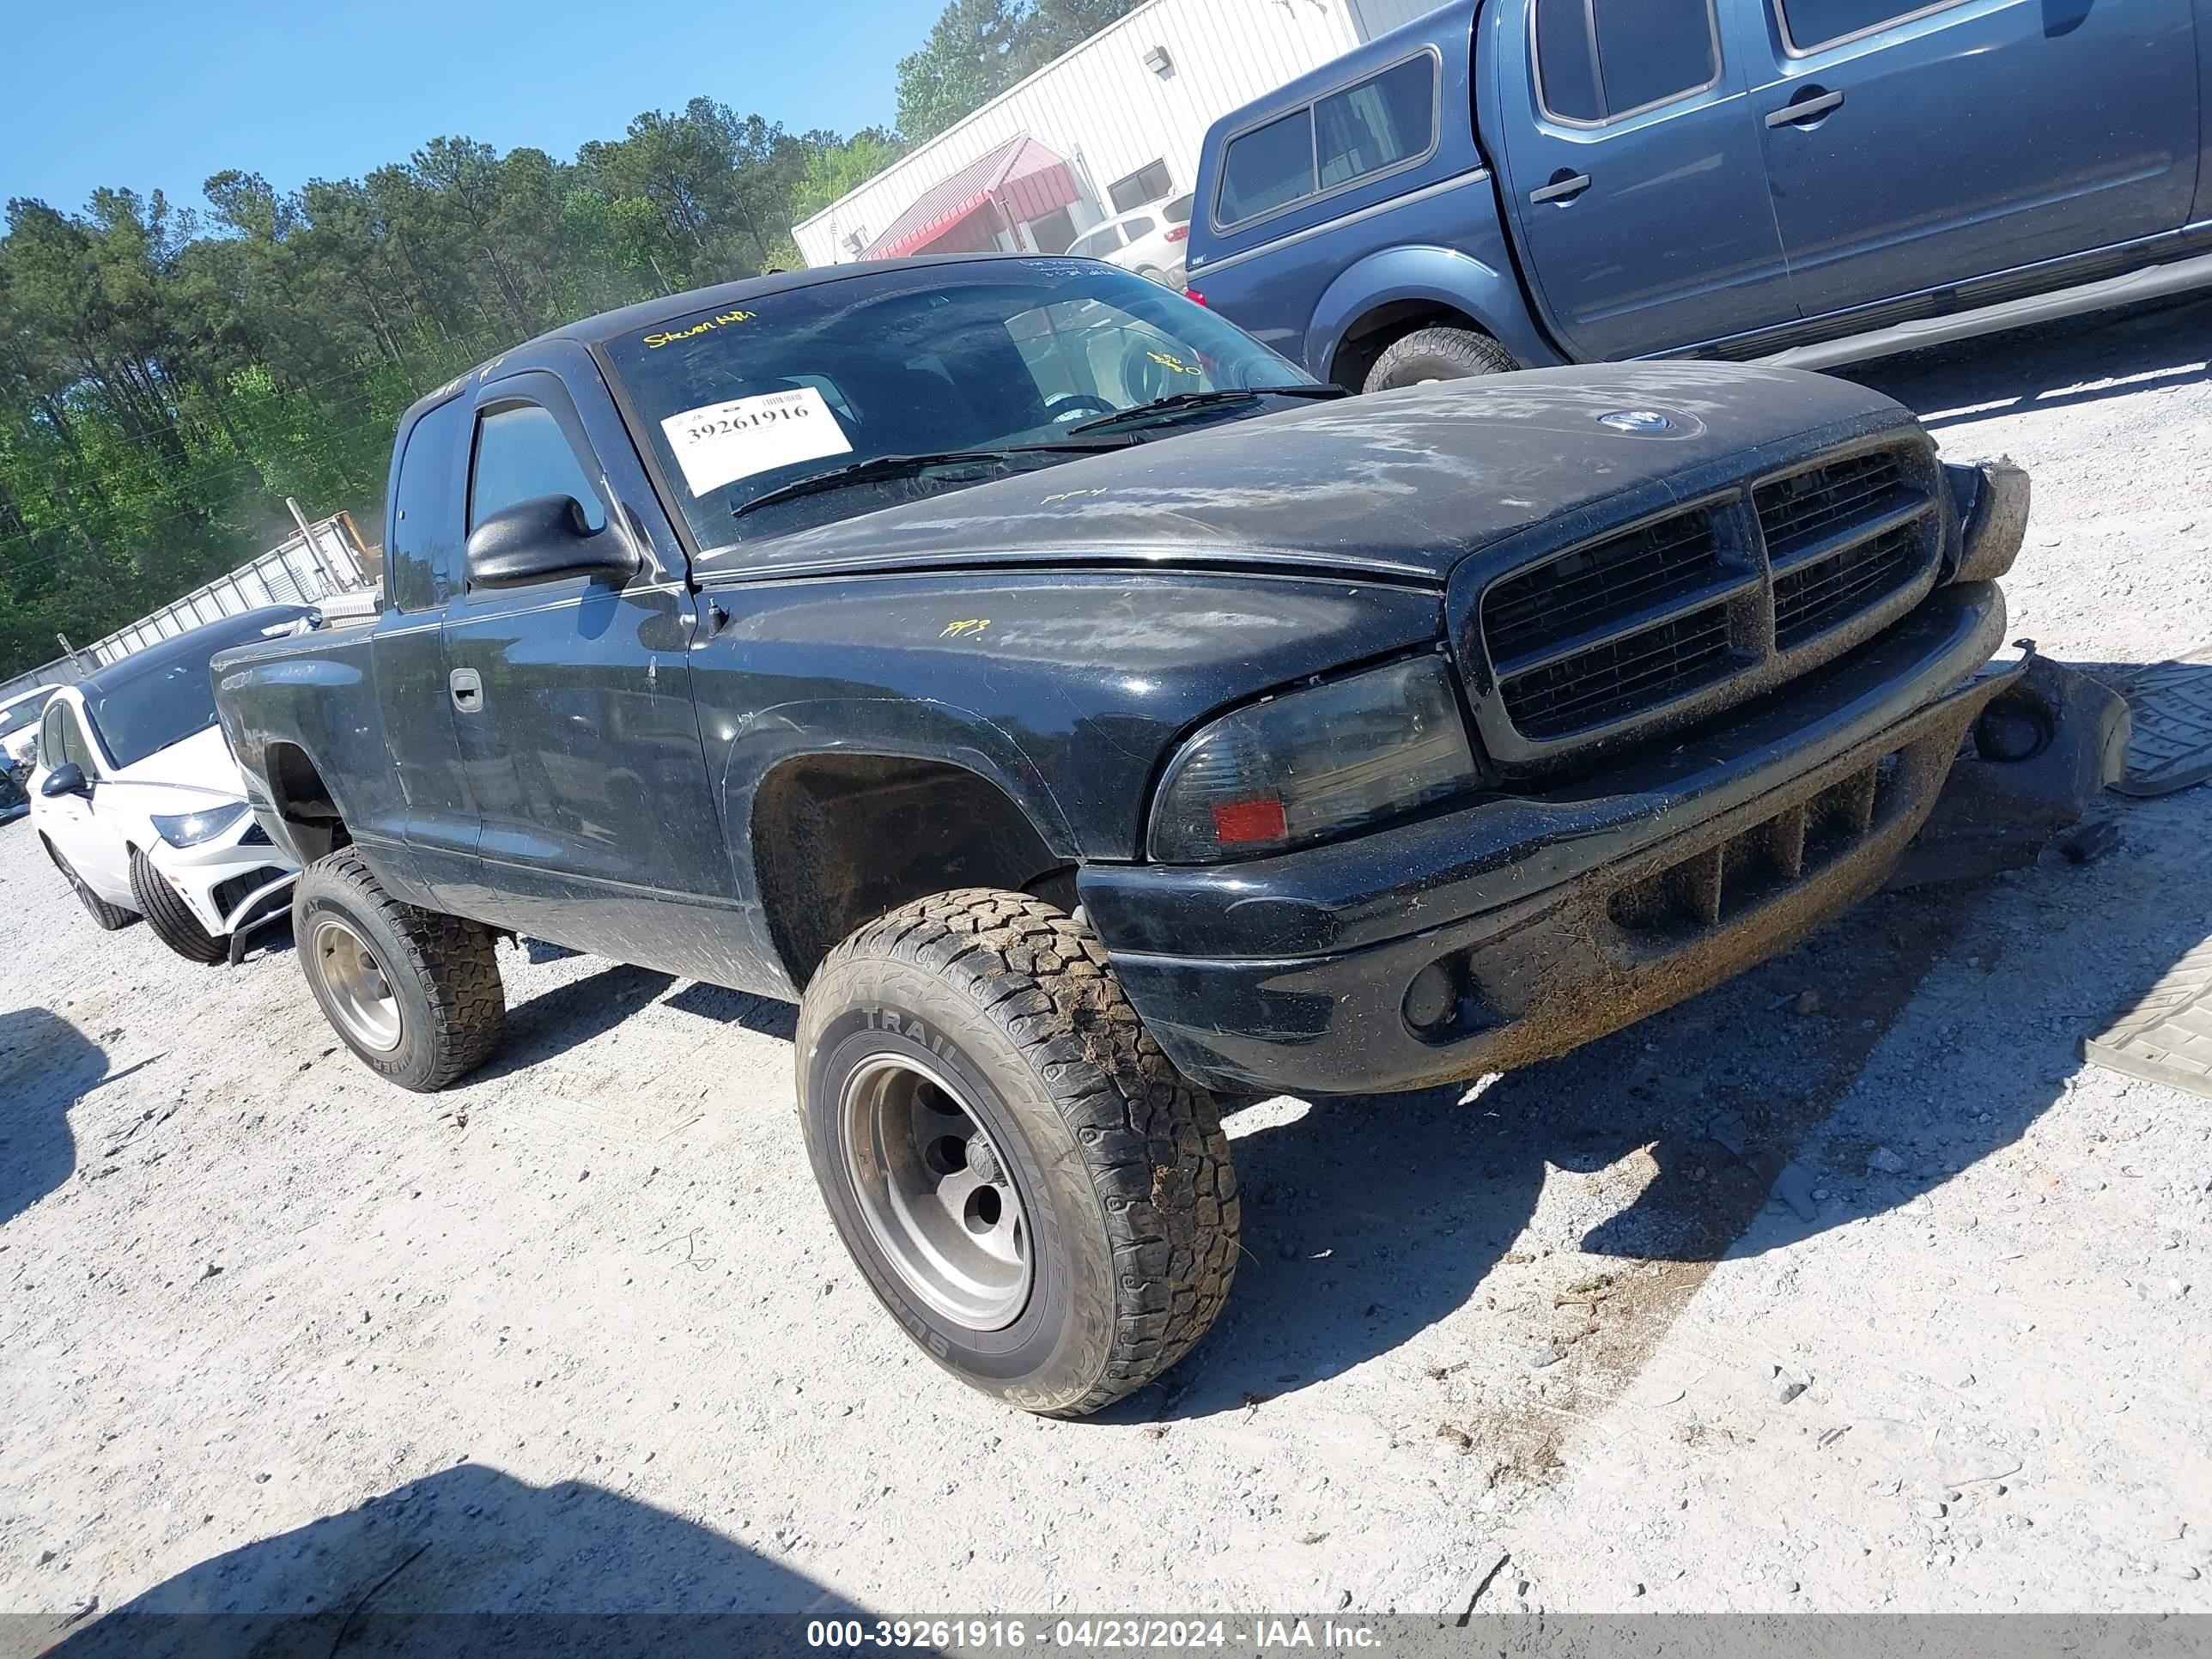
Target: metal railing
column 325, row 560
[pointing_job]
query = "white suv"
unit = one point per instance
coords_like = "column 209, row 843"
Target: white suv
column 139, row 803
column 1149, row 241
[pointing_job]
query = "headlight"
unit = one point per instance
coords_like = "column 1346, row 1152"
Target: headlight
column 191, row 828
column 1313, row 763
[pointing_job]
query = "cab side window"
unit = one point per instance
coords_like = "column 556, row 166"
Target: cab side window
column 419, row 547
column 1598, row 60
column 521, row 452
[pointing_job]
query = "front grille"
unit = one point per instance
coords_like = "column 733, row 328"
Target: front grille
column 1621, row 676
column 1799, row 511
column 1705, row 605
column 1810, row 597
column 1539, row 609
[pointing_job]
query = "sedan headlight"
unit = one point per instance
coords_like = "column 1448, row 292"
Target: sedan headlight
column 1313, row 763
column 191, row 828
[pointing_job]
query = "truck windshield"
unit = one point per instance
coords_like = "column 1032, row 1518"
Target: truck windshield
column 744, row 400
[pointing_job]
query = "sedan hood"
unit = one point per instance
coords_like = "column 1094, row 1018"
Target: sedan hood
column 1403, row 484
column 201, row 763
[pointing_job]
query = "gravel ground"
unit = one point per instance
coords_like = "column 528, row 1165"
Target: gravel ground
column 578, row 1335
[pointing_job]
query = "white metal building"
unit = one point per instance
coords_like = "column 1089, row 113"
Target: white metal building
column 1124, row 113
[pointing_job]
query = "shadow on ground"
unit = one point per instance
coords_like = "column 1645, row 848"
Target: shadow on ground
column 571, row 1015
column 46, row 1066
column 2059, row 365
column 471, row 1561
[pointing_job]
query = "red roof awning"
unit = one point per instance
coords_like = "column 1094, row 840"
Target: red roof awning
column 1024, row 178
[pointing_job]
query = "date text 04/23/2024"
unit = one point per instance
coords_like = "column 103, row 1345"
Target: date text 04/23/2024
column 1270, row 1634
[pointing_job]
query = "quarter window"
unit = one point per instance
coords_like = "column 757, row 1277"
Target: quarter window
column 521, row 452
column 419, row 543
column 1815, row 23
column 1377, row 123
column 62, row 742
column 1597, row 60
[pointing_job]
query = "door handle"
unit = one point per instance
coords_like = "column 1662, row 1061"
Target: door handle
column 467, row 688
column 1806, row 107
column 1564, row 187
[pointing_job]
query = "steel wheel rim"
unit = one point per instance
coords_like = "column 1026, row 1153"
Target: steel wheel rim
column 353, row 978
column 938, row 1195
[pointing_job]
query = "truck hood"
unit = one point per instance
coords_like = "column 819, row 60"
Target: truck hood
column 1402, row 484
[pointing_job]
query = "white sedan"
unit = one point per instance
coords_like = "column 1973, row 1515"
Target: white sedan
column 139, row 803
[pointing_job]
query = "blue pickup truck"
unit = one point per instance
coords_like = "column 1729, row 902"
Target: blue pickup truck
column 1519, row 183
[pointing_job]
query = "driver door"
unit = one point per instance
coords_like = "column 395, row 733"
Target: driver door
column 571, row 698
column 93, row 847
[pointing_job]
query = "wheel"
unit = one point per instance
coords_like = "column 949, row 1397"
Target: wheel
column 1152, row 274
column 1024, row 1181
column 416, row 994
column 170, row 917
column 109, row 916
column 1437, row 354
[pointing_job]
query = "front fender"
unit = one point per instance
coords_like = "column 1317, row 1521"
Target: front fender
column 745, row 753
column 1488, row 293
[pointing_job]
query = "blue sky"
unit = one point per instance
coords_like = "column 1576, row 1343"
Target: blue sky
column 127, row 92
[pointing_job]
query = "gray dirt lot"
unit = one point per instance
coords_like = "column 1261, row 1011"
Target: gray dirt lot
column 579, row 1335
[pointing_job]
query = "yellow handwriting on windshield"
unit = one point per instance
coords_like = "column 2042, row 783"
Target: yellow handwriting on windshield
column 654, row 341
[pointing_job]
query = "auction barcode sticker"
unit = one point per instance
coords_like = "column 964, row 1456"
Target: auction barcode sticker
column 724, row 442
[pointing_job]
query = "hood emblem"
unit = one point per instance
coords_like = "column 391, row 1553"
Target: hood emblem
column 1641, row 421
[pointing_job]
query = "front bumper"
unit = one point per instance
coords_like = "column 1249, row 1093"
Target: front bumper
column 230, row 882
column 1536, row 923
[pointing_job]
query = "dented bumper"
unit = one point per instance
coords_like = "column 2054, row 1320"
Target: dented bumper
column 1524, row 926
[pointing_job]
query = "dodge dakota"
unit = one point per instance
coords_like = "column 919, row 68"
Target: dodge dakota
column 1083, row 714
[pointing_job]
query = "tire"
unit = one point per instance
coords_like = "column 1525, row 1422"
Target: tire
column 441, row 1007
column 1113, row 1168
column 109, row 916
column 1437, row 354
column 171, row 918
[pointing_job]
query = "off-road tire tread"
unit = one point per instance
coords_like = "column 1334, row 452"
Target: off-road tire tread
column 1158, row 1159
column 171, row 918
column 455, row 958
column 108, row 917
column 1471, row 353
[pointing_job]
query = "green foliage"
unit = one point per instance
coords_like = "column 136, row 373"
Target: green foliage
column 979, row 48
column 167, row 376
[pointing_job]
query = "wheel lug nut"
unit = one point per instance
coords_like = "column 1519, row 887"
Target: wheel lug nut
column 983, row 1162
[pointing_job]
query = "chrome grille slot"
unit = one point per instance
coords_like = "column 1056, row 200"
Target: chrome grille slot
column 1536, row 611
column 1812, row 597
column 1622, row 675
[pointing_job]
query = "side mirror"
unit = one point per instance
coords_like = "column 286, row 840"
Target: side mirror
column 543, row 537
column 67, row 779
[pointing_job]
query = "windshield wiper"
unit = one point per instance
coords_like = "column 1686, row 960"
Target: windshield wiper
column 1221, row 396
column 906, row 466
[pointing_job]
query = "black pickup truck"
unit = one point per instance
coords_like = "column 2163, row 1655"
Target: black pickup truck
column 1084, row 714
